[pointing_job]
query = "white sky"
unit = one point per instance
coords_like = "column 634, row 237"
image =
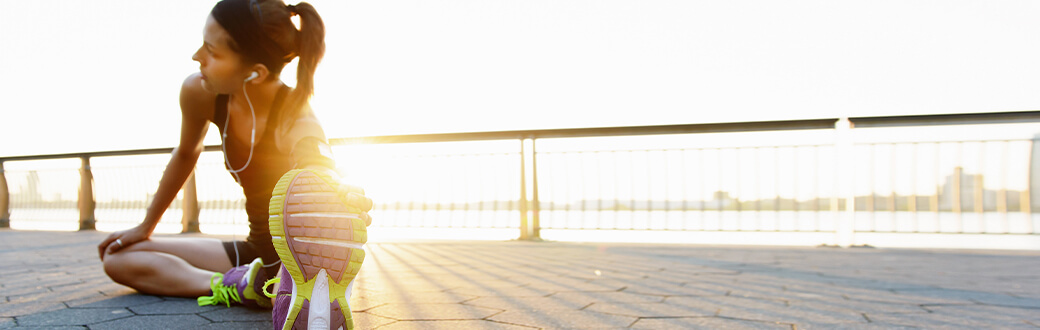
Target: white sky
column 90, row 76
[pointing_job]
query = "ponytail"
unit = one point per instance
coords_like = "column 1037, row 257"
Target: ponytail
column 310, row 45
column 268, row 36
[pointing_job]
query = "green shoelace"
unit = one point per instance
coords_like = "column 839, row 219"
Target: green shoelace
column 221, row 293
column 268, row 283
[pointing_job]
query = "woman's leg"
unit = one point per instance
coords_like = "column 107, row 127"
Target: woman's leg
column 169, row 266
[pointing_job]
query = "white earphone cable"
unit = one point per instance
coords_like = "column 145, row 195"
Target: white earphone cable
column 223, row 147
column 252, row 136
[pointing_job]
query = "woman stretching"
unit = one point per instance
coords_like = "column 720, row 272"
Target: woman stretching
column 304, row 226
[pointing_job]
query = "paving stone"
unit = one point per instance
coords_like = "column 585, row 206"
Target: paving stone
column 239, row 325
column 42, row 283
column 532, row 304
column 237, row 313
column 364, row 320
column 360, row 303
column 962, row 296
column 174, row 306
column 851, row 326
column 565, row 319
column 793, row 314
column 468, row 283
column 910, row 297
column 129, row 300
column 989, row 312
column 858, row 306
column 28, row 308
column 768, row 310
column 653, row 310
column 514, row 291
column 413, row 311
column 586, row 298
column 418, row 297
column 948, row 321
column 413, row 283
column 676, row 290
column 559, row 284
column 22, row 290
column 54, row 296
column 75, row 316
column 706, row 323
column 451, row 325
column 153, row 322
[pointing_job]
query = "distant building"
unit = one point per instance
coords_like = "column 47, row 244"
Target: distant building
column 968, row 185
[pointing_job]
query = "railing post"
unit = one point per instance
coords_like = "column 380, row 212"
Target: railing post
column 5, row 200
column 524, row 233
column 536, row 229
column 190, row 206
column 1031, row 195
column 845, row 182
column 86, row 196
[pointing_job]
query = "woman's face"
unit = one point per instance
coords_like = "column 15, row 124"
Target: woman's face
column 222, row 69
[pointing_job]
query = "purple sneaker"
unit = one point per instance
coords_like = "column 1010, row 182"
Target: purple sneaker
column 320, row 239
column 241, row 285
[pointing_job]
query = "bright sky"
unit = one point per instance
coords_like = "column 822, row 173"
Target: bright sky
column 91, row 76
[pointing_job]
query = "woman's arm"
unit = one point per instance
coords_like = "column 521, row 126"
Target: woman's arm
column 194, row 103
column 309, row 149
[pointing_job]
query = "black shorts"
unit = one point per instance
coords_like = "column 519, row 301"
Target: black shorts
column 247, row 252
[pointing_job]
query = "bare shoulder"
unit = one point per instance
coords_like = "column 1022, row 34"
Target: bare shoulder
column 196, row 102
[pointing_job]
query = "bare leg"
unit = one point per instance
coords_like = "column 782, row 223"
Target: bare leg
column 169, row 266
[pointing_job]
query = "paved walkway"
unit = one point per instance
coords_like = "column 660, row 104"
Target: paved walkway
column 53, row 279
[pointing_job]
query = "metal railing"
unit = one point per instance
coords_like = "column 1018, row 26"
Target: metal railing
column 667, row 181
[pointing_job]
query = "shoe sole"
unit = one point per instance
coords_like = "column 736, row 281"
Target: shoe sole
column 320, row 241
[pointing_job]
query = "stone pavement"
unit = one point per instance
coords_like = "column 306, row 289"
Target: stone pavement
column 54, row 280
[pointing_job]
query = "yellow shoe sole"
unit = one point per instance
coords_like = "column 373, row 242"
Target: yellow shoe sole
column 313, row 229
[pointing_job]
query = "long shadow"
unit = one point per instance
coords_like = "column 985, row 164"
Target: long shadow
column 923, row 292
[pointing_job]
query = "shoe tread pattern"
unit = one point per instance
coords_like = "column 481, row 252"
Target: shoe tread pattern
column 304, row 191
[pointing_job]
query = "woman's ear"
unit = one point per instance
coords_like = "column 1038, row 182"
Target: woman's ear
column 261, row 73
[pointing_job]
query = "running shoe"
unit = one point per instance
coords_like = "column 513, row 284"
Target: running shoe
column 242, row 285
column 320, row 240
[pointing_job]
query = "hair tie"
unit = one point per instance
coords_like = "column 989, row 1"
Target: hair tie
column 291, row 8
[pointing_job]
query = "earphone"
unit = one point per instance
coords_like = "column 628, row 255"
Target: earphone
column 252, row 135
column 252, row 143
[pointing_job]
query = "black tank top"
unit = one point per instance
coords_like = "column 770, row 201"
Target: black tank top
column 259, row 178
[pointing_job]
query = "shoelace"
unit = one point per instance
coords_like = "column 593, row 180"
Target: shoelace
column 268, row 283
column 221, row 293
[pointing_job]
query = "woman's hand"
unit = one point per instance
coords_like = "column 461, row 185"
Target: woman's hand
column 122, row 239
column 355, row 197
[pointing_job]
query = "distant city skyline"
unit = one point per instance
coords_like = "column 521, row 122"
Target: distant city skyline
column 30, row 195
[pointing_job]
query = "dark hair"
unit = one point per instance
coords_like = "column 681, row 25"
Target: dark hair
column 278, row 40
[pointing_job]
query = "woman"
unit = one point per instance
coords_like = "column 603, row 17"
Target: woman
column 273, row 146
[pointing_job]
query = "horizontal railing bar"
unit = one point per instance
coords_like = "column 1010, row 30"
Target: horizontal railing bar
column 807, row 124
column 947, row 119
column 781, row 146
column 133, row 152
column 596, row 132
column 506, row 135
column 902, row 142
